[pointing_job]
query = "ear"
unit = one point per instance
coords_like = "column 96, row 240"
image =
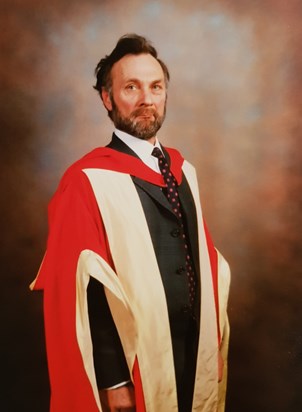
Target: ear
column 106, row 100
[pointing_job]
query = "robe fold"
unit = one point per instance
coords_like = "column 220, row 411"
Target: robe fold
column 97, row 228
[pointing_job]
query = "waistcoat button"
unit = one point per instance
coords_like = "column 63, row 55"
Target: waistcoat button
column 180, row 270
column 186, row 309
column 175, row 232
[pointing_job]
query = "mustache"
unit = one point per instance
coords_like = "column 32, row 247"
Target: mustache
column 144, row 112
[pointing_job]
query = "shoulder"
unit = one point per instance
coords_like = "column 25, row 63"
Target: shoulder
column 178, row 164
column 74, row 179
column 173, row 153
column 97, row 158
column 74, row 184
column 89, row 160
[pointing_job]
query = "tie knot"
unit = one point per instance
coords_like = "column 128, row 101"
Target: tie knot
column 156, row 152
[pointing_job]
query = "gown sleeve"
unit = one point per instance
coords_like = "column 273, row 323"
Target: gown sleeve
column 75, row 225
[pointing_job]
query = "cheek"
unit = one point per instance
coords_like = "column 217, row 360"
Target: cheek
column 161, row 105
column 126, row 106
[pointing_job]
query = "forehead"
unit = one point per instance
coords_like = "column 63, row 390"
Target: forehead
column 143, row 67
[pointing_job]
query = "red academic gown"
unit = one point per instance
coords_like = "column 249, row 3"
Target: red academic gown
column 75, row 224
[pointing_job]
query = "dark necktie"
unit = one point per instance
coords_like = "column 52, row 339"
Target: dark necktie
column 173, row 197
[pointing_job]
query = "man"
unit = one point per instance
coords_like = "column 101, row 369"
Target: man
column 135, row 294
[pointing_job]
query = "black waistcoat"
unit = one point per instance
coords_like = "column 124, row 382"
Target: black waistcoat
column 168, row 244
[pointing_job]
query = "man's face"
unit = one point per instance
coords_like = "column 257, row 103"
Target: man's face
column 137, row 101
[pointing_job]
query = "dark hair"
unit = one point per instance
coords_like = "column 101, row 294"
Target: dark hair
column 127, row 44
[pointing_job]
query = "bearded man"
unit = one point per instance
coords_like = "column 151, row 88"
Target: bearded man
column 135, row 293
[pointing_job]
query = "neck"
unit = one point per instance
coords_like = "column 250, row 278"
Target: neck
column 152, row 140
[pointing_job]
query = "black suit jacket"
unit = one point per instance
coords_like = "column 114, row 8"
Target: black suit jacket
column 169, row 248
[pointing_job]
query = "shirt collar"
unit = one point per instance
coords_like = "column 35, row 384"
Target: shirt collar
column 142, row 148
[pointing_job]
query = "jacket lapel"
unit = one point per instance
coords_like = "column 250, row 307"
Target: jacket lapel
column 155, row 192
column 120, row 146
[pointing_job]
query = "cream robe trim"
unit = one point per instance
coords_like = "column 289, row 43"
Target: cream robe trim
column 209, row 396
column 138, row 273
column 223, row 294
column 206, row 383
column 91, row 264
column 132, row 296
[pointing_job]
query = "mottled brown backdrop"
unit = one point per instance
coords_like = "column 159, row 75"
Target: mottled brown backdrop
column 234, row 111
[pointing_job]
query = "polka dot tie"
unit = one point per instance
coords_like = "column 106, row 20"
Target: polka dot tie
column 173, row 197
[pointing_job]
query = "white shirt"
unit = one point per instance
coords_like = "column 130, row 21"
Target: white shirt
column 142, row 148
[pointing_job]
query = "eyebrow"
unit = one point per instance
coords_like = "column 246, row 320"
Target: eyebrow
column 135, row 80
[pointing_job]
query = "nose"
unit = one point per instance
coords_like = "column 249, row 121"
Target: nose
column 146, row 96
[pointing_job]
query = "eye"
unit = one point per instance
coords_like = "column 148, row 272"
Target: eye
column 131, row 86
column 157, row 87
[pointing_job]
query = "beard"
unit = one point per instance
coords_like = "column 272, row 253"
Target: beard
column 144, row 128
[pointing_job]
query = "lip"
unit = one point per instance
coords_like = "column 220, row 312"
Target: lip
column 145, row 116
